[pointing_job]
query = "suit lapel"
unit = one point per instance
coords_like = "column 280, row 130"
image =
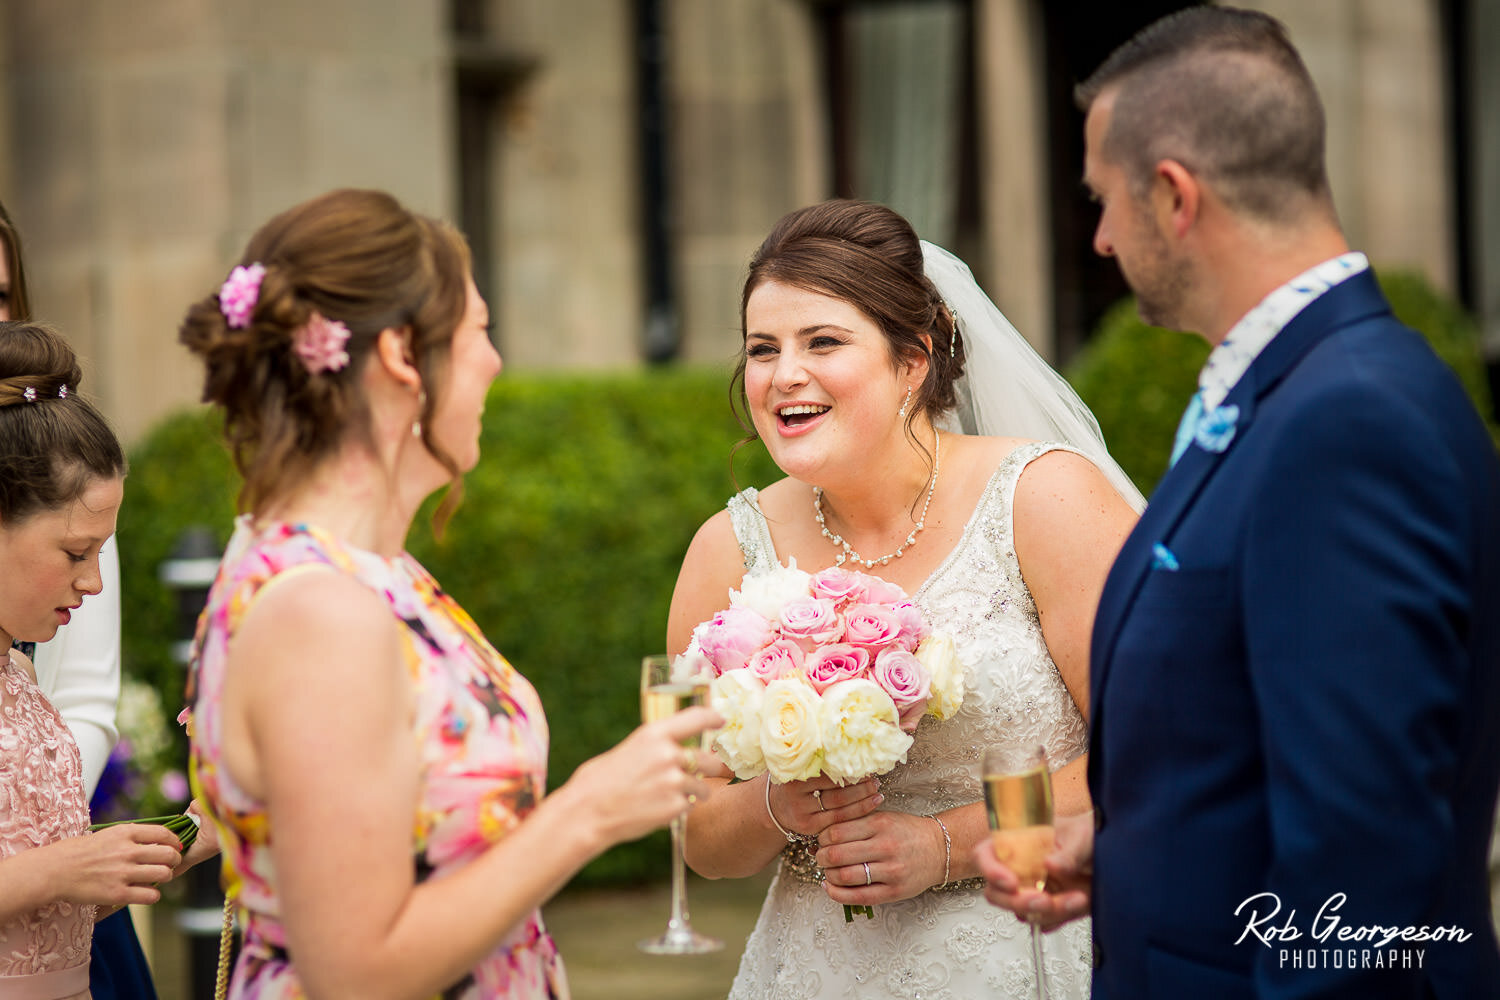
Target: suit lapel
column 1354, row 299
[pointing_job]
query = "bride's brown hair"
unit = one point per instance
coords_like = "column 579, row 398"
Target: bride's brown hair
column 869, row 256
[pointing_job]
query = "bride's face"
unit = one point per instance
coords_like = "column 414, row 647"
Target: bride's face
column 820, row 378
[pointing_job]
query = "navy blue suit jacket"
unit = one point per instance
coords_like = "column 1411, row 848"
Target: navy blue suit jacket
column 1303, row 716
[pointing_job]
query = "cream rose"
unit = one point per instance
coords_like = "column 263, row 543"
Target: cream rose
column 739, row 697
column 939, row 656
column 861, row 734
column 789, row 735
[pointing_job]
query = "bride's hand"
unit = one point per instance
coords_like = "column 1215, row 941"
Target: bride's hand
column 880, row 858
column 810, row 807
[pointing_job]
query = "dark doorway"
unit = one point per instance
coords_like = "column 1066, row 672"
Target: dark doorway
column 1080, row 34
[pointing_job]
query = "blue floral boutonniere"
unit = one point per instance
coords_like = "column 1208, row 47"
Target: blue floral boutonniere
column 1162, row 558
column 1217, row 428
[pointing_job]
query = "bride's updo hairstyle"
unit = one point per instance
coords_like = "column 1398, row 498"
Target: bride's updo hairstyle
column 53, row 442
column 870, row 257
column 286, row 338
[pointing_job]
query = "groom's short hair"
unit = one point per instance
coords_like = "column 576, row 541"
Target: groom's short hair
column 1223, row 92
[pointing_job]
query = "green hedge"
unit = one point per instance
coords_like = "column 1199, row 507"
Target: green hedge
column 1138, row 378
column 565, row 550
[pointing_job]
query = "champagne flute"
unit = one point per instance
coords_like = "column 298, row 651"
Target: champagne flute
column 1018, row 799
column 663, row 695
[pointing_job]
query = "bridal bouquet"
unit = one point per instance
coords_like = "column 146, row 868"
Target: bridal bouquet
column 826, row 672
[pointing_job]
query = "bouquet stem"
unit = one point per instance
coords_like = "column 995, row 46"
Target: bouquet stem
column 850, row 911
column 183, row 826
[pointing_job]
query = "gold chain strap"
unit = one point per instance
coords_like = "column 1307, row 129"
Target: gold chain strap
column 226, row 945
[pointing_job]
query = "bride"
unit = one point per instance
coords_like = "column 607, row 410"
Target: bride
column 874, row 406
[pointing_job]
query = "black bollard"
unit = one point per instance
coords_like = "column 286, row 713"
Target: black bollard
column 189, row 572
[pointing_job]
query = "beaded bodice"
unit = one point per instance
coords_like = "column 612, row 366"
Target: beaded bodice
column 1013, row 693
column 41, row 801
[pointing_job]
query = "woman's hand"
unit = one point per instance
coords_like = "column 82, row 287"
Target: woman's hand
column 204, row 846
column 645, row 781
column 117, row 866
column 880, row 858
column 812, row 806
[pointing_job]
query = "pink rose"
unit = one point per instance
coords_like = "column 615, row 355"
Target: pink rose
column 871, row 626
column 781, row 658
column 729, row 637
column 828, row 665
column 914, row 627
column 839, row 585
column 811, row 622
column 902, row 676
column 878, row 591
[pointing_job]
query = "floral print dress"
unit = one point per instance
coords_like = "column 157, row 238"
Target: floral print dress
column 478, row 724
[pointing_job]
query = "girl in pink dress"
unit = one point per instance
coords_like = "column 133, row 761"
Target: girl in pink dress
column 377, row 769
column 61, row 480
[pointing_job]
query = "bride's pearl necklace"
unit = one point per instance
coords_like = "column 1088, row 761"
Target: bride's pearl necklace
column 848, row 554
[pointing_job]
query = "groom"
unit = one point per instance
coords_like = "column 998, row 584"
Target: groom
column 1296, row 659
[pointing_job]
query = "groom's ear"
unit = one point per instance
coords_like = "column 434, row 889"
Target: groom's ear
column 1176, row 198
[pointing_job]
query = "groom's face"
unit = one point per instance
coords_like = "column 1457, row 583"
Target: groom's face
column 1128, row 230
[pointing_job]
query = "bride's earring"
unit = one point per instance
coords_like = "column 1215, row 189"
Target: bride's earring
column 416, row 425
column 904, row 404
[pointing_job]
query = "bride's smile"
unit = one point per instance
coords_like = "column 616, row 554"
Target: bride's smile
column 816, row 363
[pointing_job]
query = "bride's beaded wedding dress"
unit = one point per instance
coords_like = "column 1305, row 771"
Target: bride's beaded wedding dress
column 951, row 944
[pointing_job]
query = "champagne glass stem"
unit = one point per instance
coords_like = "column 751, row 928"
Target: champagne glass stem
column 679, row 888
column 1036, row 961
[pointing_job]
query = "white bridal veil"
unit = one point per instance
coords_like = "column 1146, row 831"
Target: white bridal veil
column 1007, row 389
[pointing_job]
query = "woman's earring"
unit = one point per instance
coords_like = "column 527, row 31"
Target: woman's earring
column 416, row 425
column 905, row 403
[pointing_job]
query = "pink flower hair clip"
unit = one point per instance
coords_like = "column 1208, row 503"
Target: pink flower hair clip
column 320, row 344
column 238, row 294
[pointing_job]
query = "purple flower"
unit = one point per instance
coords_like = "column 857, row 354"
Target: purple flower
column 174, row 786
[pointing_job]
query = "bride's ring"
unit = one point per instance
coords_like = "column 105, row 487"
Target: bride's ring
column 867, row 872
column 818, row 794
column 690, row 760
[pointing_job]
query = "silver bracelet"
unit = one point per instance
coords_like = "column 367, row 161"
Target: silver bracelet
column 947, row 844
column 791, row 838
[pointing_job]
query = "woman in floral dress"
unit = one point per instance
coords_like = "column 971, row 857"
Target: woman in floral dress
column 377, row 769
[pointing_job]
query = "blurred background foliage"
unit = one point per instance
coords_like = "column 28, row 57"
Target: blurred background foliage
column 574, row 524
column 1137, row 378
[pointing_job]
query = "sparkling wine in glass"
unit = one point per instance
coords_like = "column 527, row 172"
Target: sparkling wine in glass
column 1018, row 799
column 663, row 695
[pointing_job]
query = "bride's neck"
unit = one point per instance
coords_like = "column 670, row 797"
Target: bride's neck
column 888, row 493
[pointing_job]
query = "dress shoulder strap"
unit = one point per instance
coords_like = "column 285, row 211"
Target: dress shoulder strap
column 752, row 532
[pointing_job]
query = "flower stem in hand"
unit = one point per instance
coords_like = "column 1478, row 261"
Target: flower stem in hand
column 182, row 826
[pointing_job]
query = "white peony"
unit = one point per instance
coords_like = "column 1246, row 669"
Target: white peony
column 862, row 734
column 739, row 696
column 766, row 593
column 789, row 733
column 939, row 656
column 691, row 664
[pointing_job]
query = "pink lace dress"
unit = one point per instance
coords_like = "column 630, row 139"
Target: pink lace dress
column 478, row 724
column 44, row 955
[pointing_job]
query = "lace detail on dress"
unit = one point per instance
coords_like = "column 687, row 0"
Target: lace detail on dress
column 937, row 946
column 41, row 801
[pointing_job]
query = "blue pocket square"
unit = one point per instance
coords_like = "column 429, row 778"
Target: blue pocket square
column 1162, row 558
column 1217, row 427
